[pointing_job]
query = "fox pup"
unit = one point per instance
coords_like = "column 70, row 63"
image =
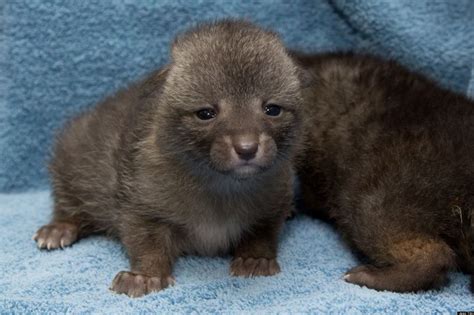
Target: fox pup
column 195, row 159
column 391, row 155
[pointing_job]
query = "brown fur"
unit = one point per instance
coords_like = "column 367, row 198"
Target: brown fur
column 391, row 154
column 142, row 167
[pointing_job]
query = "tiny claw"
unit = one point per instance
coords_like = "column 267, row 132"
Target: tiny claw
column 171, row 281
column 41, row 243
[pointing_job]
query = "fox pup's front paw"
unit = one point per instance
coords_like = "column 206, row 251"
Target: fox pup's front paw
column 253, row 267
column 136, row 285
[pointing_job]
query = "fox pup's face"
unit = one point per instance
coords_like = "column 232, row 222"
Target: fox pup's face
column 232, row 101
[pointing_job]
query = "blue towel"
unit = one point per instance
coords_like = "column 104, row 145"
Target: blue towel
column 76, row 279
column 60, row 57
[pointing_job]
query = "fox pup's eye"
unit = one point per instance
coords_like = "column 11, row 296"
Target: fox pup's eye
column 206, row 114
column 272, row 110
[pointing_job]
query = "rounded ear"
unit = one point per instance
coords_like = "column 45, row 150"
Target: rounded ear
column 305, row 76
column 155, row 81
column 303, row 63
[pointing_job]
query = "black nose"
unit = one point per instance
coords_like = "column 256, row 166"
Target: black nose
column 246, row 150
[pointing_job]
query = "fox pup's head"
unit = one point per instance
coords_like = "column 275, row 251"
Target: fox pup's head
column 231, row 100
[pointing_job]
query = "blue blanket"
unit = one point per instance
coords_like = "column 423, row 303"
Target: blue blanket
column 59, row 57
column 76, row 279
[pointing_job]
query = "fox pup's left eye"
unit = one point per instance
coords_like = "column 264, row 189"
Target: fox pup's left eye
column 272, row 110
column 206, row 114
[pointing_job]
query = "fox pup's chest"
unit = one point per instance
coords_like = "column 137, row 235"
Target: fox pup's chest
column 212, row 236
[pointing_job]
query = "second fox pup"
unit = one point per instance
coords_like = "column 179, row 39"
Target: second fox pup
column 391, row 154
column 196, row 159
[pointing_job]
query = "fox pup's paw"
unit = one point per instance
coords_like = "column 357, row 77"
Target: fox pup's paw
column 56, row 235
column 136, row 285
column 253, row 267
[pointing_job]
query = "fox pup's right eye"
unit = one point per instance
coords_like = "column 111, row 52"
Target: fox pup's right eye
column 206, row 114
column 272, row 110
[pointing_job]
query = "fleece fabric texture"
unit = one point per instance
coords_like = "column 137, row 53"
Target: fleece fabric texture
column 60, row 57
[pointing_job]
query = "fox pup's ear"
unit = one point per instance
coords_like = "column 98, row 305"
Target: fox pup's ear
column 155, row 81
column 305, row 76
column 163, row 71
column 301, row 62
